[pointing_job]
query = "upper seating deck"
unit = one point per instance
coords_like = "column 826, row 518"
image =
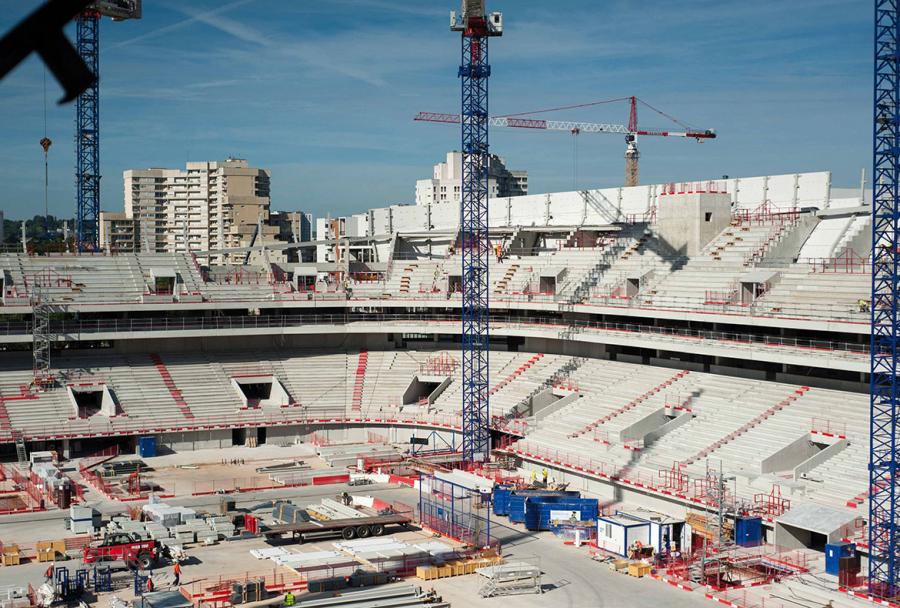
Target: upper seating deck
column 630, row 267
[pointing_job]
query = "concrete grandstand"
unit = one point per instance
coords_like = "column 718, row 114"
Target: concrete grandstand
column 638, row 334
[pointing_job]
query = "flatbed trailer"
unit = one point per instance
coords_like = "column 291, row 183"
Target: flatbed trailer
column 348, row 529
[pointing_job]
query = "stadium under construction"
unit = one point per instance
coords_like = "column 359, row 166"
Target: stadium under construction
column 567, row 397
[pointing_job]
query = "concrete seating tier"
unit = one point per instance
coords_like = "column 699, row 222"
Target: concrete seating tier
column 832, row 294
column 740, row 422
column 716, row 268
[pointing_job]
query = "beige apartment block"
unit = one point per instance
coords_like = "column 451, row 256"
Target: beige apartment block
column 206, row 206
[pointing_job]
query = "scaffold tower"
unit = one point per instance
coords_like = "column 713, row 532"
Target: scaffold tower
column 41, row 339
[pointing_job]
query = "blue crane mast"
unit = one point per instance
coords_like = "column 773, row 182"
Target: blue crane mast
column 884, row 548
column 87, row 137
column 476, row 28
column 87, row 119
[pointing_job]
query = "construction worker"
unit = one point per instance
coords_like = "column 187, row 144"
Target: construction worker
column 150, row 585
column 544, row 475
column 289, row 598
column 177, row 572
column 533, row 476
column 48, row 575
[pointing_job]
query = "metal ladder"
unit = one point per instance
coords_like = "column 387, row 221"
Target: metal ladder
column 21, row 452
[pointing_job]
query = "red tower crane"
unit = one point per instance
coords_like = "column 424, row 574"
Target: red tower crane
column 631, row 131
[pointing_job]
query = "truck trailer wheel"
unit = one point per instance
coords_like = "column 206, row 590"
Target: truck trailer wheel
column 145, row 561
column 377, row 530
column 348, row 533
column 363, row 531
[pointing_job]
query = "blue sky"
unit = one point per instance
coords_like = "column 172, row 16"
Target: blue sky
column 323, row 93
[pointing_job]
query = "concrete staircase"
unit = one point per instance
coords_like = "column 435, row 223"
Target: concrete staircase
column 170, row 384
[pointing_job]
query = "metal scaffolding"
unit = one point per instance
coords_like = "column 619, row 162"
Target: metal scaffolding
column 41, row 339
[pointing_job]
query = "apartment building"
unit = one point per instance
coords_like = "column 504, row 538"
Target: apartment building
column 444, row 185
column 206, row 206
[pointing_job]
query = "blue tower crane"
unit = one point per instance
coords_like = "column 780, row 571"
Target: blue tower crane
column 87, row 119
column 87, row 137
column 474, row 70
column 884, row 544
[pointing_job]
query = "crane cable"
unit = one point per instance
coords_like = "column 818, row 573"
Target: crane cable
column 45, row 144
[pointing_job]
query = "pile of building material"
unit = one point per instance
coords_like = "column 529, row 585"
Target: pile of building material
column 331, row 509
column 352, row 454
column 83, row 520
column 313, row 565
column 326, row 510
column 14, row 596
column 162, row 513
column 389, row 555
column 510, row 579
column 402, row 595
column 290, row 477
column 463, row 479
column 120, row 468
column 285, row 467
column 289, row 513
column 175, row 525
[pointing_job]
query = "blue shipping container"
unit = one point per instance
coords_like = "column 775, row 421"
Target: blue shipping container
column 539, row 510
column 516, row 508
column 500, row 500
column 833, row 554
column 147, row 446
column 748, row 531
column 517, row 501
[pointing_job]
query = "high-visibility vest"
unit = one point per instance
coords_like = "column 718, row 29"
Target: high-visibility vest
column 289, row 599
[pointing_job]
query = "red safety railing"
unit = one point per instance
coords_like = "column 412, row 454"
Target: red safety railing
column 828, row 428
column 848, row 262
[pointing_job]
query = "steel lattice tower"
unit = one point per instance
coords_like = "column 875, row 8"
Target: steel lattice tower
column 41, row 339
column 884, row 548
column 87, row 137
column 474, row 72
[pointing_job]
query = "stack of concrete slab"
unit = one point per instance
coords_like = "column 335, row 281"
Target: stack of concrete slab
column 169, row 516
column 389, row 555
column 268, row 552
column 194, row 530
column 312, row 564
column 83, row 520
column 123, row 524
column 318, row 564
column 221, row 525
column 332, row 509
column 157, row 531
column 437, row 549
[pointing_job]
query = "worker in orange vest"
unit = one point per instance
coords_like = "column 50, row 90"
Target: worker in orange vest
column 150, row 585
column 49, row 573
column 177, row 572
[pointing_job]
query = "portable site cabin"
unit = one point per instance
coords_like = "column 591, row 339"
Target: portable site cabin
column 617, row 533
column 667, row 534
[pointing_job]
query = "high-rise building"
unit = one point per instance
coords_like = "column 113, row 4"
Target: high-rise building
column 206, row 206
column 444, row 186
column 118, row 233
